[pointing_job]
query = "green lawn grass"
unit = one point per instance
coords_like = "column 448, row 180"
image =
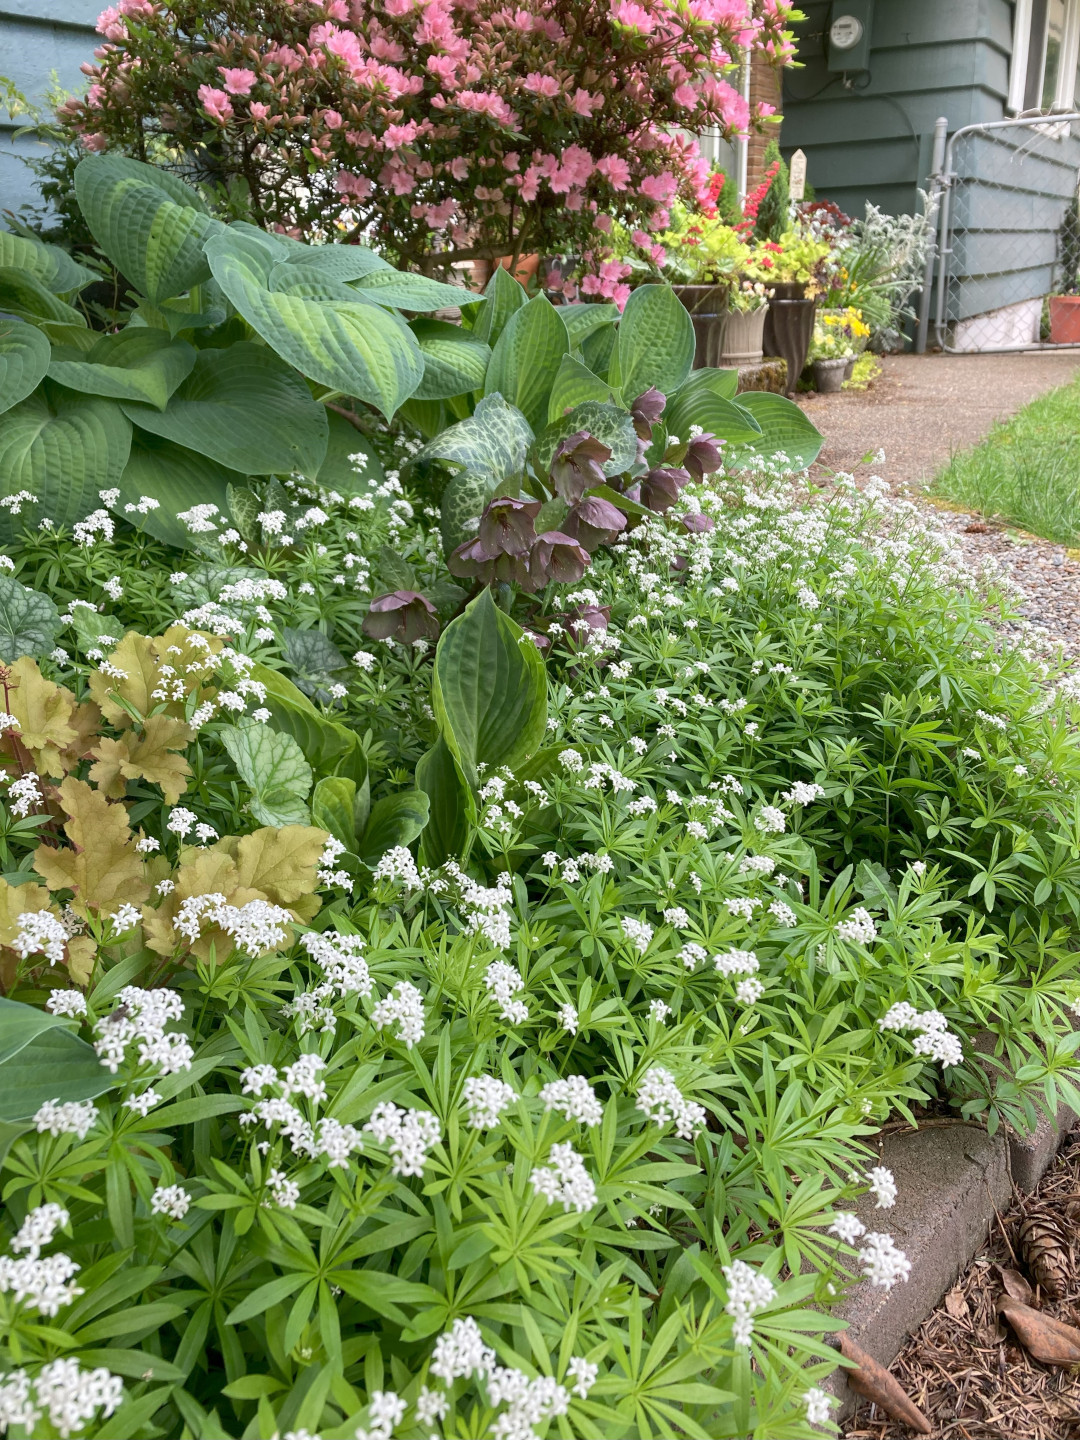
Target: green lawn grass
column 1027, row 470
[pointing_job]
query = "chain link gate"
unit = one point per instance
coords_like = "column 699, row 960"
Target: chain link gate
column 1003, row 192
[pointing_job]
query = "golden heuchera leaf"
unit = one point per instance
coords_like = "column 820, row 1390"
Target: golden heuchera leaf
column 86, row 722
column 44, row 712
column 281, row 863
column 16, row 900
column 201, row 872
column 81, row 954
column 103, row 868
column 148, row 756
column 151, row 667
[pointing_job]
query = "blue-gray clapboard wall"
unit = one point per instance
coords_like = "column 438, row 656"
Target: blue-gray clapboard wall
column 38, row 37
column 872, row 141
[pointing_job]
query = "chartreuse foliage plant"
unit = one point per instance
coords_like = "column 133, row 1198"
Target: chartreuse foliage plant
column 452, row 1021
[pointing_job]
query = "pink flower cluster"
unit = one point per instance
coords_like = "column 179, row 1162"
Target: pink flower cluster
column 481, row 126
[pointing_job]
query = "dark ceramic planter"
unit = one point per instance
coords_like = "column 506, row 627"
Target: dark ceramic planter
column 789, row 328
column 725, row 338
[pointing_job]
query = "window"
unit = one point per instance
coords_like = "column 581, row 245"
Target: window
column 1046, row 40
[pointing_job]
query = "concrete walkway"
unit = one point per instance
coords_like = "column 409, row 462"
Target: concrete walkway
column 922, row 408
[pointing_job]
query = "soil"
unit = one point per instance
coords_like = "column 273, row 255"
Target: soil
column 965, row 1368
column 920, row 411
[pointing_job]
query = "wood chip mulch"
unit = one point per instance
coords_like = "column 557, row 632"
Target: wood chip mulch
column 964, row 1367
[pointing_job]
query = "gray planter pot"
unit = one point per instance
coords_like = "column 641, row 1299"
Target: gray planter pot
column 725, row 338
column 789, row 326
column 829, row 374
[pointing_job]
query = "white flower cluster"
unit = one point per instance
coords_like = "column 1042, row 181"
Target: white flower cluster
column 504, row 982
column 574, row 1098
column 407, row 1134
column 45, row 1284
column 565, row 1180
column 255, row 927
column 40, row 933
column 403, row 1007
column 859, row 926
column 662, row 1101
column 770, row 820
column 326, row 874
column 883, row 1186
column 460, row 1354
column 398, row 866
column 39, row 1229
column 328, row 1139
column 818, row 1405
column 934, row 1038
column 68, row 1117
column 141, row 1016
column 486, row 1098
column 748, row 1292
column 68, row 1395
column 172, row 1201
column 638, row 932
column 23, row 794
column 340, row 959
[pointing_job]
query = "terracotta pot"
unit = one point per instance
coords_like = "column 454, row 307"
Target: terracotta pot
column 789, row 328
column 526, row 268
column 829, row 375
column 1065, row 319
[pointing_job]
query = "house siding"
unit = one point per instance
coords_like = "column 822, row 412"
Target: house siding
column 873, row 142
column 38, row 38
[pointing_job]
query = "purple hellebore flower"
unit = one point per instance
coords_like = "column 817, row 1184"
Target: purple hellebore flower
column 577, row 465
column 473, row 561
column 698, row 524
column 702, row 455
column 593, row 522
column 506, row 526
column 557, row 557
column 646, row 411
column 402, row 615
column 660, row 487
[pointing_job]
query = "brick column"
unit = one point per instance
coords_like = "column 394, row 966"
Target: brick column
column 765, row 85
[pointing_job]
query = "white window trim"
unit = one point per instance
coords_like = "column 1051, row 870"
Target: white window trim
column 1064, row 94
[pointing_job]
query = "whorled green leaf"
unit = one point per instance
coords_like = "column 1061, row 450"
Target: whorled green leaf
column 273, row 767
column 503, row 296
column 655, row 343
column 454, row 362
column 451, row 806
column 29, row 621
column 150, row 224
column 63, row 448
column 395, row 820
column 413, row 292
column 24, row 296
column 53, row 266
column 489, row 689
column 24, row 359
column 610, row 424
column 178, row 478
column 356, row 348
column 574, row 384
column 525, row 360
column 338, row 470
column 139, row 364
column 246, row 409
column 784, row 430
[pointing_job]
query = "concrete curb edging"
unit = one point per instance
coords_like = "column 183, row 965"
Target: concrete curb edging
column 950, row 1182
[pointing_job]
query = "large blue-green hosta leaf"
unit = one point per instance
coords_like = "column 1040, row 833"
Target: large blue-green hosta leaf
column 54, row 267
column 354, row 347
column 655, row 343
column 177, row 478
column 246, row 409
column 454, row 362
column 785, row 430
column 24, row 359
column 150, row 224
column 525, row 360
column 139, row 364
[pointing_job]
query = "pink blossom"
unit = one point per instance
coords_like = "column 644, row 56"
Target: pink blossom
column 486, row 102
column 216, row 104
column 459, row 167
column 385, row 49
column 603, row 222
column 584, row 104
column 444, row 68
column 615, row 171
column 727, row 102
column 686, row 96
column 258, row 111
column 511, row 162
column 93, row 141
column 237, row 81
column 395, row 136
column 660, row 188
column 621, row 294
column 394, row 178
column 332, row 119
column 541, row 84
column 358, row 187
column 530, row 184
column 640, row 238
column 438, row 216
column 627, row 12
column 110, row 24
column 657, row 254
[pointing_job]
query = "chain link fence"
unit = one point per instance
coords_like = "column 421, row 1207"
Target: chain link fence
column 1006, row 188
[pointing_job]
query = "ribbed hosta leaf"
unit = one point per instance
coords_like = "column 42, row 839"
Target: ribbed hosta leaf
column 357, row 348
column 138, row 364
column 24, row 359
column 246, row 409
column 150, row 224
column 23, row 295
column 655, row 344
column 502, row 297
column 177, row 478
column 454, row 363
column 413, row 292
column 54, row 267
column 489, row 690
column 574, row 384
column 63, row 448
column 784, row 430
column 525, row 360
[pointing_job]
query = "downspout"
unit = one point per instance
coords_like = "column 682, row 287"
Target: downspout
column 744, row 140
column 937, row 165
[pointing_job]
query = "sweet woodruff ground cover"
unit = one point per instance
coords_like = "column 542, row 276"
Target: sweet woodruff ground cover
column 561, row 1124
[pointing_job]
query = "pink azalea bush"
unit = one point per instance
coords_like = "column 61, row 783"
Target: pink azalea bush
column 458, row 128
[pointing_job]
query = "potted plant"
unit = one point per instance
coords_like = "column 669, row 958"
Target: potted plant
column 792, row 267
column 833, row 349
column 705, row 263
column 1065, row 306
